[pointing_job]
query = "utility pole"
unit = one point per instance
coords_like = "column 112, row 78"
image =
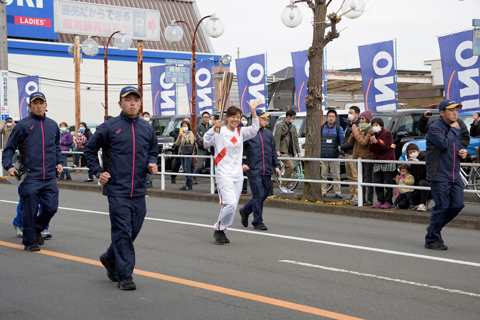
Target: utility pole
column 3, row 48
column 3, row 36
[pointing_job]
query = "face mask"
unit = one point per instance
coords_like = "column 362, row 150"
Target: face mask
column 210, row 123
column 351, row 117
column 63, row 129
column 9, row 124
column 414, row 155
column 185, row 129
column 244, row 123
column 79, row 134
column 146, row 119
column 376, row 129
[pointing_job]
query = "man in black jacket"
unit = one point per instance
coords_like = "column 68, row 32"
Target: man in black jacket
column 130, row 150
column 475, row 127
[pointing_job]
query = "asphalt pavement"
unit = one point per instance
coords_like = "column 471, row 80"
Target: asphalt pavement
column 308, row 265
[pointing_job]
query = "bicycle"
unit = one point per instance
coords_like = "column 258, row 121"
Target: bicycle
column 298, row 173
column 471, row 178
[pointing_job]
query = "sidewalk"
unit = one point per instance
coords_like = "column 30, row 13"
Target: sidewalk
column 468, row 219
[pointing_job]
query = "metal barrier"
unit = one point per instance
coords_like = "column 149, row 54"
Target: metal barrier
column 359, row 182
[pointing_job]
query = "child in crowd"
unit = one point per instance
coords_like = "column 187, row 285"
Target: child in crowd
column 405, row 179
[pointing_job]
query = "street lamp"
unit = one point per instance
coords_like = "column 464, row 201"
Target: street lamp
column 292, row 15
column 174, row 33
column 122, row 41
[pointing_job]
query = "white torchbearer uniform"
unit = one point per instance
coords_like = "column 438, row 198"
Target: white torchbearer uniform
column 228, row 167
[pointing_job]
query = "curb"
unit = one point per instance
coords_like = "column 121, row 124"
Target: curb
column 462, row 222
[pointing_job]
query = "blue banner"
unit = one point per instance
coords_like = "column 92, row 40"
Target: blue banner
column 251, row 81
column 460, row 70
column 164, row 95
column 31, row 19
column 26, row 86
column 378, row 76
column 301, row 72
column 203, row 87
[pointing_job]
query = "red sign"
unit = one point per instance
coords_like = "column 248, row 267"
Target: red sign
column 37, row 22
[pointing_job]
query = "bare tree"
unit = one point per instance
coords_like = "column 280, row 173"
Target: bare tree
column 312, row 191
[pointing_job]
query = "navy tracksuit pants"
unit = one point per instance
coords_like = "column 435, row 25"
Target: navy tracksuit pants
column 448, row 197
column 126, row 218
column 33, row 193
column 260, row 187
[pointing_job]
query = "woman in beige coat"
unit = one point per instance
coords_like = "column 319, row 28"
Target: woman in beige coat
column 360, row 140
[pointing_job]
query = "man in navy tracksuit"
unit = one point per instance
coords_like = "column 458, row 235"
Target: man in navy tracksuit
column 261, row 155
column 37, row 138
column 444, row 151
column 130, row 150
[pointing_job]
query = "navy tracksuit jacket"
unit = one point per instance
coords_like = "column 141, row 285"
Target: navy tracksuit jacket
column 443, row 173
column 37, row 139
column 128, row 145
column 261, row 154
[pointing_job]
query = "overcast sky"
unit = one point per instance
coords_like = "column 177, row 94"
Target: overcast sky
column 255, row 27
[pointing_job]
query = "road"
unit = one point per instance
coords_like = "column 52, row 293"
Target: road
column 306, row 266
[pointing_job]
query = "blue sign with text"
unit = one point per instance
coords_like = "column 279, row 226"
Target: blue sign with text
column 30, row 19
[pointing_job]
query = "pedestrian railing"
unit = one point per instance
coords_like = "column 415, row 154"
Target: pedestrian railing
column 359, row 183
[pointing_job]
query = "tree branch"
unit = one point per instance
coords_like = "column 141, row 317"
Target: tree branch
column 311, row 5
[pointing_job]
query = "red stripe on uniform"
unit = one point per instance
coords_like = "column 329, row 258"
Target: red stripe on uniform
column 220, row 156
column 238, row 129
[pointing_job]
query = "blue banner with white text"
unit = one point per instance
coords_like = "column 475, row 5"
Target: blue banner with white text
column 164, row 95
column 251, row 81
column 377, row 62
column 301, row 72
column 203, row 87
column 26, row 86
column 461, row 78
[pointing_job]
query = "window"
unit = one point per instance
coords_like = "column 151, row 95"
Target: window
column 159, row 126
column 409, row 124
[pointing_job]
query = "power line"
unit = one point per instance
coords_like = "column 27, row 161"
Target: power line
column 85, row 83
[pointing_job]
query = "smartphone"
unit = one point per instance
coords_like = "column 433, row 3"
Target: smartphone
column 181, row 129
column 429, row 113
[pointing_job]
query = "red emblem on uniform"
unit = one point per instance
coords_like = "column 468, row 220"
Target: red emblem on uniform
column 31, row 127
column 234, row 140
column 119, row 129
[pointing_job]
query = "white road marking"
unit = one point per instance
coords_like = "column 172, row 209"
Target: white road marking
column 381, row 278
column 330, row 243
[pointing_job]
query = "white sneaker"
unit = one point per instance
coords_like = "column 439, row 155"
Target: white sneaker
column 422, row 207
column 19, row 231
column 428, row 204
column 46, row 234
column 286, row 190
column 354, row 200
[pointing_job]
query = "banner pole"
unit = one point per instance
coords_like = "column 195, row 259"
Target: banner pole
column 266, row 79
column 396, row 76
column 212, row 72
